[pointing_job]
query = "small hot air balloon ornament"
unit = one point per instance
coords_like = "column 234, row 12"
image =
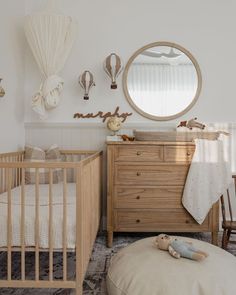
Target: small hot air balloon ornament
column 2, row 91
column 86, row 81
column 113, row 67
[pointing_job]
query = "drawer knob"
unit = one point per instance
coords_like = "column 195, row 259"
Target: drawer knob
column 138, row 197
column 138, row 221
column 139, row 153
column 188, row 154
column 138, row 173
column 187, row 221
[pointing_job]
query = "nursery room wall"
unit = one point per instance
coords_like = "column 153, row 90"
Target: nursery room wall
column 107, row 26
column 123, row 27
column 12, row 72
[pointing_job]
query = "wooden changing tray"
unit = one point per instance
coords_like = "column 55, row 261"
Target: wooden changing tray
column 174, row 136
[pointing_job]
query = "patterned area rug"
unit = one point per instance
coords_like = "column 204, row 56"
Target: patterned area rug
column 94, row 283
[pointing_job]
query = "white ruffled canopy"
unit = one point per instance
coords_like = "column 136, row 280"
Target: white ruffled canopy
column 51, row 37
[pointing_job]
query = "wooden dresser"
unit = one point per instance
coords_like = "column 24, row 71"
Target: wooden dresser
column 145, row 187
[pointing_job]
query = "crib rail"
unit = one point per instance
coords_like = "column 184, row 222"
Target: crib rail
column 16, row 172
column 87, row 170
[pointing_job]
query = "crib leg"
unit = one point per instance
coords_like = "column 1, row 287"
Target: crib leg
column 79, row 290
column 109, row 239
column 79, row 277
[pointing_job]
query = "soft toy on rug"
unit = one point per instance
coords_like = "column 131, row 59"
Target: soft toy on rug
column 178, row 248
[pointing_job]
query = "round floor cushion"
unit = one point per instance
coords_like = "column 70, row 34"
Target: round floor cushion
column 142, row 269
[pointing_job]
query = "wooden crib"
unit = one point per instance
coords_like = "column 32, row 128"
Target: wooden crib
column 86, row 167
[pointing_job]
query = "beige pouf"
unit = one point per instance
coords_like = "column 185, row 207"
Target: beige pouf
column 142, row 269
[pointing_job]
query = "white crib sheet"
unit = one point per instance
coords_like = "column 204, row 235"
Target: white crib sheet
column 57, row 223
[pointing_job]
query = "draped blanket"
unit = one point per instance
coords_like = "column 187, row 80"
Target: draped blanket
column 208, row 179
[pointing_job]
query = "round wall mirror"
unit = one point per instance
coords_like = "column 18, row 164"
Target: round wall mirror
column 162, row 81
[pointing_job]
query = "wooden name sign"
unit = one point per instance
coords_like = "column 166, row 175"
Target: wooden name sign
column 103, row 115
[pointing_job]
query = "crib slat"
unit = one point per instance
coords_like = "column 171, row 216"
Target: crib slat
column 2, row 180
column 23, row 226
column 50, row 227
column 18, row 171
column 37, row 225
column 64, row 224
column 79, row 231
column 9, row 224
column 15, row 173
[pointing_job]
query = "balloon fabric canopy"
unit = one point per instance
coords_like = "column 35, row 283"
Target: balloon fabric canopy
column 50, row 37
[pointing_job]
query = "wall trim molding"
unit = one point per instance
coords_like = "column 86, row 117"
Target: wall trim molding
column 144, row 125
column 81, row 125
column 43, row 125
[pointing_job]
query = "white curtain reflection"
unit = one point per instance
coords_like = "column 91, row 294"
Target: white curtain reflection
column 162, row 89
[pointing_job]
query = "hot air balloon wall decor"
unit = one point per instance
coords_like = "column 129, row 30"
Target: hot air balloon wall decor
column 2, row 91
column 86, row 81
column 113, row 67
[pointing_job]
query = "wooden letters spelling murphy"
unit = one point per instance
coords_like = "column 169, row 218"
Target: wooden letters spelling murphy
column 103, row 115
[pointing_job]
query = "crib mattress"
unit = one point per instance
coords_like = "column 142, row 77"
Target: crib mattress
column 57, row 220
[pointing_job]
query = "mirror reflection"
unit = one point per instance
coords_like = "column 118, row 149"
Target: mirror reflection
column 162, row 81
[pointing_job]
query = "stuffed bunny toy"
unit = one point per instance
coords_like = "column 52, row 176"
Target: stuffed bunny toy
column 178, row 248
column 192, row 124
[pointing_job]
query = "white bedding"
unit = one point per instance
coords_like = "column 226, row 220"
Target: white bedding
column 43, row 216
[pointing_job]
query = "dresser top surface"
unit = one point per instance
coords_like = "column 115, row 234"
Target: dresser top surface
column 151, row 143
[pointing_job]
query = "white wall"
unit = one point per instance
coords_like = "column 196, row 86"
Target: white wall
column 12, row 71
column 206, row 28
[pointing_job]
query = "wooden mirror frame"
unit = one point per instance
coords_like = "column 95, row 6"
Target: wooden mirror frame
column 125, row 84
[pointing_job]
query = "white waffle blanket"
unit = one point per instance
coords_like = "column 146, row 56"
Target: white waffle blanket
column 57, row 223
column 208, row 179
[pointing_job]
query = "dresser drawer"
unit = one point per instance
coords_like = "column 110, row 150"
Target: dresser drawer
column 159, row 220
column 154, row 175
column 178, row 153
column 148, row 198
column 139, row 153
